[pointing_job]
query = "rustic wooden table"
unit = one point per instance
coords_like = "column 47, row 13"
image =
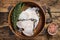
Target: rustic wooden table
column 5, row 32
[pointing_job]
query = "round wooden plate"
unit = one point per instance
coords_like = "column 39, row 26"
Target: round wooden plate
column 40, row 25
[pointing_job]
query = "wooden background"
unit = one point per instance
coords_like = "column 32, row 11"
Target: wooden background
column 5, row 32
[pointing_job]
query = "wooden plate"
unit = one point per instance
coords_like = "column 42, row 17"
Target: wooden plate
column 40, row 24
